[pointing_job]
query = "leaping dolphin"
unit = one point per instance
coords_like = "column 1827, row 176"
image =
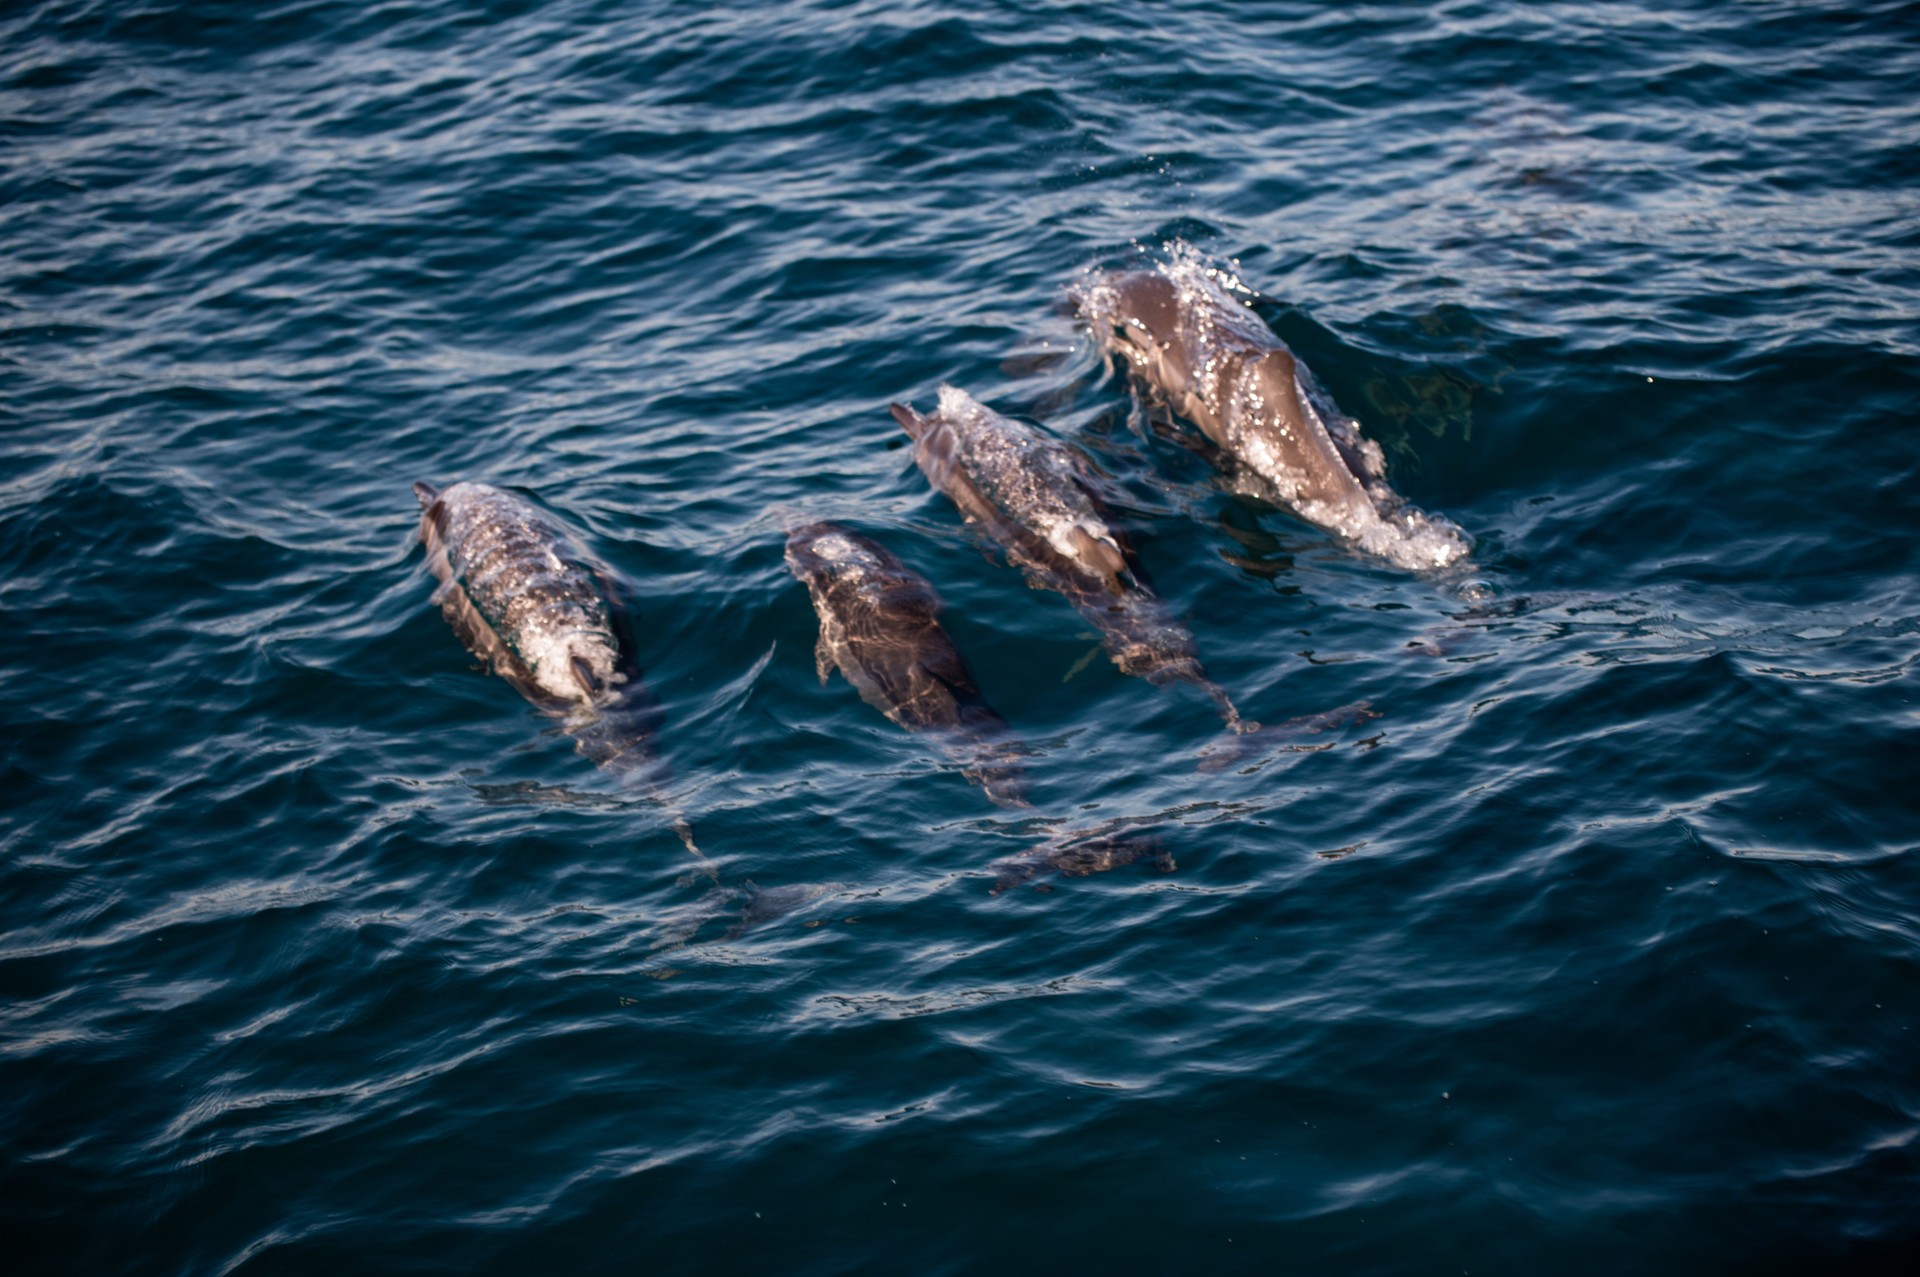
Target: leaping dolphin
column 1210, row 359
column 1035, row 496
column 879, row 624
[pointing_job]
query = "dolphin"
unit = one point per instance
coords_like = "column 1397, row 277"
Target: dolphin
column 524, row 598
column 1036, row 497
column 1078, row 856
column 521, row 596
column 1208, row 358
column 879, row 626
column 748, row 907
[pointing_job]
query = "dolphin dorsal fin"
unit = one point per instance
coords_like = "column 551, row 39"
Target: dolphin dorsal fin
column 427, row 493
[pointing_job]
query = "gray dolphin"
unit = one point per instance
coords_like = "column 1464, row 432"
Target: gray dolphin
column 1035, row 496
column 1208, row 357
column 879, row 625
column 524, row 598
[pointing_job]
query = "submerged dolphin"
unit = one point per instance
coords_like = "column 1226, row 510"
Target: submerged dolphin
column 1034, row 495
column 524, row 599
column 1209, row 359
column 879, row 625
column 1078, row 856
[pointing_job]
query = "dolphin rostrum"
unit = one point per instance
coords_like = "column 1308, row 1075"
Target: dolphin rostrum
column 879, row 625
column 1209, row 358
column 524, row 599
column 1035, row 496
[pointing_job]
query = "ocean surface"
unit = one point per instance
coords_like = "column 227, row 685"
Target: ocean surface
column 323, row 951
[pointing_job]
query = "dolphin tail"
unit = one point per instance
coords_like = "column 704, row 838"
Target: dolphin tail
column 1229, row 713
column 991, row 760
column 684, row 827
column 427, row 493
column 1240, row 732
column 617, row 739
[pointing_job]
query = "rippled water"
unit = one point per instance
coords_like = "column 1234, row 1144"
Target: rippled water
column 321, row 950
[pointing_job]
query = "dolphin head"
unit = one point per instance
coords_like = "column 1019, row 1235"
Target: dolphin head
column 804, row 555
column 1149, row 306
column 1137, row 314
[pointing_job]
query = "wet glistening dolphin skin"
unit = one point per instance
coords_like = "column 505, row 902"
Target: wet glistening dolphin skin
column 1210, row 360
column 879, row 626
column 1034, row 495
column 527, row 601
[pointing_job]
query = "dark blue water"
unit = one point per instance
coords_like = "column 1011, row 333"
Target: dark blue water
column 322, row 950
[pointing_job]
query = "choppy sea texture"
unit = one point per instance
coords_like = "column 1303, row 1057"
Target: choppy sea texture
column 321, row 949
